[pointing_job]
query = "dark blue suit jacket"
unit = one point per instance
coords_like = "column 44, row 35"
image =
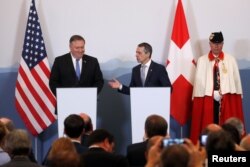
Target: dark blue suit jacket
column 63, row 73
column 98, row 157
column 157, row 77
column 136, row 154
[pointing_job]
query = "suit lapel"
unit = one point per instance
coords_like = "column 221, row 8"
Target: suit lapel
column 71, row 66
column 150, row 70
column 84, row 66
column 138, row 76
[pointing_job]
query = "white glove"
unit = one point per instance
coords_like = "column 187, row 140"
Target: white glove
column 217, row 96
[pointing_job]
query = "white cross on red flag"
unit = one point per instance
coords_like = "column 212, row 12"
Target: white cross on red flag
column 180, row 67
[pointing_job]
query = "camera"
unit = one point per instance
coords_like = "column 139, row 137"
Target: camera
column 203, row 140
column 168, row 142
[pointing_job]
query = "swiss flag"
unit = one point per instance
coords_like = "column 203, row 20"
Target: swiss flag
column 181, row 68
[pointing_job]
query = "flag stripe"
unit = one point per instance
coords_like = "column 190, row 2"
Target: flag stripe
column 44, row 66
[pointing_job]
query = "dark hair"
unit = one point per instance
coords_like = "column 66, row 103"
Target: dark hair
column 147, row 48
column 232, row 131
column 76, row 38
column 219, row 141
column 99, row 135
column 156, row 125
column 174, row 156
column 3, row 132
column 73, row 126
column 88, row 125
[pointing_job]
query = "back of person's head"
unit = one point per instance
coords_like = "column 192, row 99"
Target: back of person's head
column 73, row 126
column 155, row 125
column 236, row 122
column 99, row 135
column 245, row 142
column 63, row 153
column 219, row 141
column 174, row 156
column 3, row 132
column 61, row 144
column 232, row 131
column 17, row 142
column 8, row 123
column 65, row 158
column 211, row 128
column 88, row 122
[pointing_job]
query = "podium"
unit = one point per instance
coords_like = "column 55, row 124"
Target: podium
column 75, row 101
column 144, row 102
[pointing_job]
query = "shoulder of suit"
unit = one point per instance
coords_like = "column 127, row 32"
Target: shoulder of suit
column 154, row 65
column 87, row 57
column 137, row 66
column 67, row 55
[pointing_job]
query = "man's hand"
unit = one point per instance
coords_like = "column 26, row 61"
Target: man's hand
column 115, row 84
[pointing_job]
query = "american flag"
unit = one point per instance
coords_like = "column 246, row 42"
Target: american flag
column 33, row 98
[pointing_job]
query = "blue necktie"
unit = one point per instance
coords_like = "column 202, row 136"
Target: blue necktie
column 78, row 72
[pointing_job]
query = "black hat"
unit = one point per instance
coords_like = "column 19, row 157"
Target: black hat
column 216, row 37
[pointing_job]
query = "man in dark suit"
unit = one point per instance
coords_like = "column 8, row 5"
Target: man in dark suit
column 73, row 129
column 155, row 125
column 100, row 153
column 147, row 74
column 76, row 69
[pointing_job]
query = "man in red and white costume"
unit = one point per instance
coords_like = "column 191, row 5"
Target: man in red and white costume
column 217, row 91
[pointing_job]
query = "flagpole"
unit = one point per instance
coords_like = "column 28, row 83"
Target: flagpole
column 36, row 147
column 181, row 131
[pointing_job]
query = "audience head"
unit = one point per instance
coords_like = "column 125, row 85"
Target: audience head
column 63, row 154
column 3, row 132
column 8, row 123
column 103, row 139
column 87, row 122
column 211, row 128
column 73, row 126
column 236, row 122
column 245, row 142
column 155, row 125
column 17, row 142
column 175, row 156
column 233, row 132
column 219, row 141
